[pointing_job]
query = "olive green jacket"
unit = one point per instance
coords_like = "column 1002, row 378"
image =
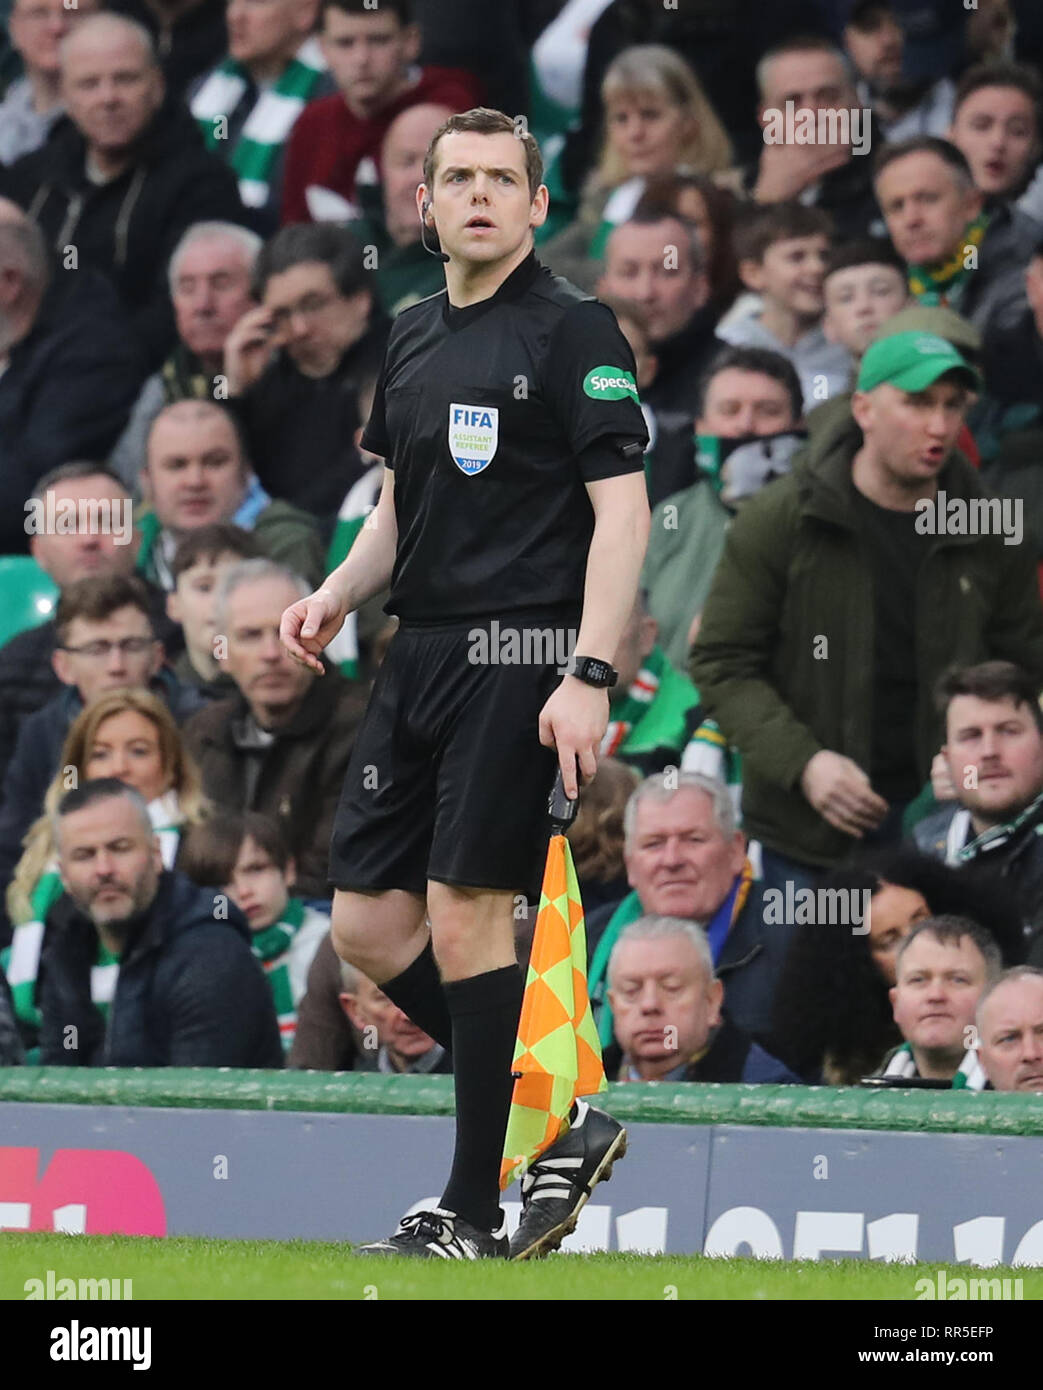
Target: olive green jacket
column 784, row 656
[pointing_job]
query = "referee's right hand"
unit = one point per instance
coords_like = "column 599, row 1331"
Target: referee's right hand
column 311, row 624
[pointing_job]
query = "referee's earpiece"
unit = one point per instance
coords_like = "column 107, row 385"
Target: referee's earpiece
column 425, row 207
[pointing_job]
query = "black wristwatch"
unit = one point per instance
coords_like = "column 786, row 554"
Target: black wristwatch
column 592, row 671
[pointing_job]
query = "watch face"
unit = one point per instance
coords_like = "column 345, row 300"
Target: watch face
column 594, row 671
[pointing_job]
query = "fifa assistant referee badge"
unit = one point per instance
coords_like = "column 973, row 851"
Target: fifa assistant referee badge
column 592, row 671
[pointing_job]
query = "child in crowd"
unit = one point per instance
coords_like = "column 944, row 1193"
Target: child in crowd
column 247, row 858
column 782, row 250
column 200, row 560
column 864, row 286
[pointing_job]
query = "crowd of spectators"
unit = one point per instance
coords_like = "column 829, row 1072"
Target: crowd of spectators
column 813, row 850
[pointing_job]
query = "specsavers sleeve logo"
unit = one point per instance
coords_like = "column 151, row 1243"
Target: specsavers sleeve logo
column 609, row 384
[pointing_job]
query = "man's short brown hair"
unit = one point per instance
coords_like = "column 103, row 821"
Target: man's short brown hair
column 949, row 930
column 96, row 599
column 993, row 681
column 951, row 156
column 758, row 229
column 210, row 543
column 1018, row 76
column 210, row 851
column 482, row 120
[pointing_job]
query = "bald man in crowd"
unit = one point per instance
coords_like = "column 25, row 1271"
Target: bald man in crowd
column 1010, row 1030
column 406, row 272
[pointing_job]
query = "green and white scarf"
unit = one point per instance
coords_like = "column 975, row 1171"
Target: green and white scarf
column 358, row 504
column 710, row 753
column 635, row 704
column 271, row 945
column 1030, row 820
column 21, row 960
column 653, row 713
column 268, row 125
column 969, row 1075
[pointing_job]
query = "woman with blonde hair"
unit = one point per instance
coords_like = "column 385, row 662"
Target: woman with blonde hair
column 130, row 735
column 657, row 120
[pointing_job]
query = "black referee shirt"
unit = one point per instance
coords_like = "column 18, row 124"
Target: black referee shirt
column 487, row 415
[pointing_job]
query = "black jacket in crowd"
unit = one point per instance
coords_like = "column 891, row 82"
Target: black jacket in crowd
column 1015, row 866
column 683, row 359
column 300, row 431
column 845, row 193
column 66, row 393
column 127, row 228
column 732, row 1058
column 190, row 992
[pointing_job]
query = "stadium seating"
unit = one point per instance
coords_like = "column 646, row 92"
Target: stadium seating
column 27, row 595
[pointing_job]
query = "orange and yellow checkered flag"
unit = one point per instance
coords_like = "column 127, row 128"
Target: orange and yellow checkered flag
column 557, row 1057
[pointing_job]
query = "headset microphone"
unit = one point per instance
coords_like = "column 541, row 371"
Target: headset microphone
column 431, row 250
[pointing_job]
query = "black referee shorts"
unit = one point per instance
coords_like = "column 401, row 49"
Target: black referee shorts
column 448, row 779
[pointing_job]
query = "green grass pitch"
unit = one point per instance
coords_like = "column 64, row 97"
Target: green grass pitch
column 180, row 1267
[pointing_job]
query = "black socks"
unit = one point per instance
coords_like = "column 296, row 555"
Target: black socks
column 477, row 1021
column 485, row 1010
column 419, row 994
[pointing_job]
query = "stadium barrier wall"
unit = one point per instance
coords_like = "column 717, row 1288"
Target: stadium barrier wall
column 774, row 1171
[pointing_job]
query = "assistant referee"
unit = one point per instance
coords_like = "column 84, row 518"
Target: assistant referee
column 513, row 502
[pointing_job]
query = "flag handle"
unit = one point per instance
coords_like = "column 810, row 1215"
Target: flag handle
column 561, row 808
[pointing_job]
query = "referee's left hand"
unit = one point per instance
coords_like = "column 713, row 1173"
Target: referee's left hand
column 574, row 721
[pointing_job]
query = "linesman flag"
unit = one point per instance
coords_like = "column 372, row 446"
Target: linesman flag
column 557, row 1057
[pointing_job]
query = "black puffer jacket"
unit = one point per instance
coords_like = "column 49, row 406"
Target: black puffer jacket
column 128, row 228
column 189, row 994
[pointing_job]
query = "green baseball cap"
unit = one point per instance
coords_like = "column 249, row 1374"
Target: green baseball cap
column 912, row 362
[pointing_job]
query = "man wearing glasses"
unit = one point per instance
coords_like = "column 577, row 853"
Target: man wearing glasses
column 295, row 364
column 33, row 102
column 105, row 641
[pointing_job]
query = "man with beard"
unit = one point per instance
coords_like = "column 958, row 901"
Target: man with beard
column 994, row 753
column 819, row 645
column 902, row 107
column 187, row 991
